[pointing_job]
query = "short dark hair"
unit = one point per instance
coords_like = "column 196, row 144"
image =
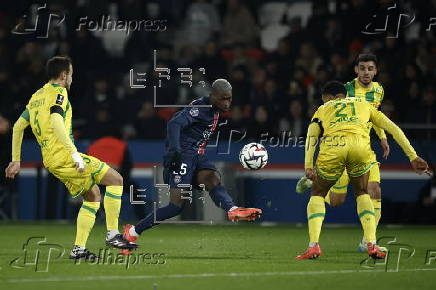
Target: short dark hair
column 363, row 57
column 222, row 85
column 333, row 88
column 56, row 65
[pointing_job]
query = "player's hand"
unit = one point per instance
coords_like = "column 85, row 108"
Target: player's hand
column 310, row 173
column 12, row 169
column 420, row 166
column 386, row 150
column 78, row 160
column 176, row 162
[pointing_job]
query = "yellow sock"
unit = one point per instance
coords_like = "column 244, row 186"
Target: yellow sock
column 327, row 198
column 315, row 217
column 377, row 210
column 85, row 221
column 112, row 205
column 365, row 210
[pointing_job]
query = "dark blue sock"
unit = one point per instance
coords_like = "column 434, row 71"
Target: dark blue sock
column 162, row 213
column 221, row 197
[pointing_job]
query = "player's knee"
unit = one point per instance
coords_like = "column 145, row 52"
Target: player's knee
column 336, row 201
column 210, row 180
column 361, row 191
column 374, row 190
column 93, row 195
column 118, row 179
column 212, row 183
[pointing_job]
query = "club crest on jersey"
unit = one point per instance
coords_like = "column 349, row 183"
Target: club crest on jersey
column 194, row 112
column 60, row 99
column 177, row 179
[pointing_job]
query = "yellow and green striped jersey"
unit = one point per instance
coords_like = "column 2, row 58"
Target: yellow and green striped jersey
column 374, row 94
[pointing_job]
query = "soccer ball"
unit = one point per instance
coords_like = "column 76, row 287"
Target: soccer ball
column 253, row 156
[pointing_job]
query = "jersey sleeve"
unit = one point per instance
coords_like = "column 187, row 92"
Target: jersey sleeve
column 382, row 94
column 17, row 135
column 313, row 133
column 379, row 131
column 59, row 100
column 380, row 120
column 180, row 121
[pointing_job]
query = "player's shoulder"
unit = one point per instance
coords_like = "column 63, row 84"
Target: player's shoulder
column 200, row 101
column 53, row 91
column 197, row 111
column 351, row 85
column 378, row 87
column 58, row 89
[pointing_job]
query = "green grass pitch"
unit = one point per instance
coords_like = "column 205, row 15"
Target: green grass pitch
column 242, row 256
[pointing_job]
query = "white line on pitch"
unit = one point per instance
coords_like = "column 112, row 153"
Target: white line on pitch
column 204, row 275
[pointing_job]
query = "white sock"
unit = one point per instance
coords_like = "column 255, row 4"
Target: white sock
column 78, row 248
column 111, row 234
column 233, row 208
column 312, row 244
column 132, row 232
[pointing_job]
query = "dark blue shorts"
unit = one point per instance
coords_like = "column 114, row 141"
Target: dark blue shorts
column 191, row 164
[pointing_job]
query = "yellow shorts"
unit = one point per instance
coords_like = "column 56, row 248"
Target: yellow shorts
column 341, row 186
column 79, row 183
column 354, row 155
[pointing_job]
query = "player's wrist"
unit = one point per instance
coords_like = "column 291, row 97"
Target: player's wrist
column 413, row 158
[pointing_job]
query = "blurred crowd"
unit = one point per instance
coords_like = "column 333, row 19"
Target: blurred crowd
column 276, row 54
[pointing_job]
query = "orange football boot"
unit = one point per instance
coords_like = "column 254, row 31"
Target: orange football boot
column 128, row 237
column 244, row 214
column 311, row 253
column 375, row 252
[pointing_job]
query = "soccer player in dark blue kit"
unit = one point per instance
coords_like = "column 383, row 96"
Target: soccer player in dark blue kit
column 185, row 162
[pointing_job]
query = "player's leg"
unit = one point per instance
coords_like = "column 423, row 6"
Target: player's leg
column 112, row 200
column 209, row 176
column 330, row 165
column 85, row 222
column 374, row 192
column 113, row 181
column 365, row 211
column 359, row 163
column 218, row 193
column 315, row 216
column 338, row 193
column 173, row 209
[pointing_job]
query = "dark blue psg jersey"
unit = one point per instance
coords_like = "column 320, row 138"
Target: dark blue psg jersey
column 189, row 129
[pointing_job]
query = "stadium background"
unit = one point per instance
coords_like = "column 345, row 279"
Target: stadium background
column 276, row 56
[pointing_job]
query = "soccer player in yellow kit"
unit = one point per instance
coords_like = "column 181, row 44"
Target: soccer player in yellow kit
column 49, row 114
column 345, row 145
column 365, row 88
